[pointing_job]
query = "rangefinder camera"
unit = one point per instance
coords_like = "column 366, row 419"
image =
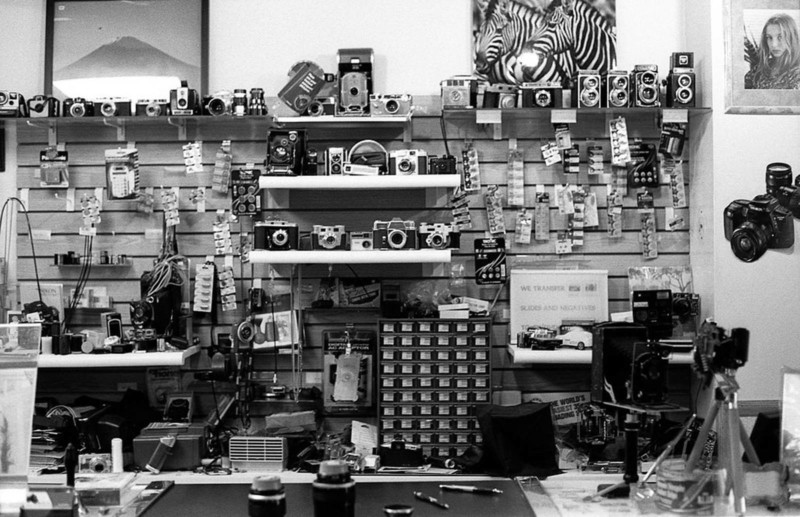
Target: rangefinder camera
column 390, row 104
column 439, row 236
column 77, row 107
column 328, row 237
column 321, row 106
column 44, row 106
column 12, row 104
column 500, row 96
column 540, row 95
column 275, row 235
column 407, row 162
column 221, row 103
column 152, row 108
column 113, row 107
column 395, row 234
column 184, row 100
column 442, row 164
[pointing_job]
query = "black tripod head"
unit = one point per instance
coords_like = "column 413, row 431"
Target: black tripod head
column 717, row 352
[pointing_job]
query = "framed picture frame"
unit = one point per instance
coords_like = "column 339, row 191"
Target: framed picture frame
column 790, row 423
column 762, row 56
column 115, row 48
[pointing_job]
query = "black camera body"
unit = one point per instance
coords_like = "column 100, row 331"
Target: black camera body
column 648, row 384
column 645, row 87
column 439, row 236
column 43, row 106
column 328, row 237
column 540, row 95
column 184, row 100
column 12, row 104
column 77, row 107
column 152, row 108
column 275, row 235
column 588, row 88
column 653, row 309
column 681, row 87
column 395, row 235
column 355, row 81
column 757, row 225
column 616, row 89
column 685, row 307
column 286, row 151
column 113, row 107
column 445, row 164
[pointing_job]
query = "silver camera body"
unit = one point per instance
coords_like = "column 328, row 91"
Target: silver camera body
column 408, row 162
column 589, row 89
column 328, row 237
column 645, row 86
column 113, row 107
column 12, row 104
column 459, row 92
column 94, row 463
column 334, row 160
column 438, row 236
column 395, row 234
column 361, row 241
column 398, row 104
column 221, row 103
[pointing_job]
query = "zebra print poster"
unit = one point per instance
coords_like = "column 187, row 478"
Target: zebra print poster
column 516, row 41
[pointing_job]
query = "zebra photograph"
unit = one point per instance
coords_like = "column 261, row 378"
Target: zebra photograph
column 518, row 41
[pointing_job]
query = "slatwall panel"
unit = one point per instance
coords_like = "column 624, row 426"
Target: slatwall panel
column 122, row 228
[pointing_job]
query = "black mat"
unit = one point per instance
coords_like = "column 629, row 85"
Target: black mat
column 231, row 500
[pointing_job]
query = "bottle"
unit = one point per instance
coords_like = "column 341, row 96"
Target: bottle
column 334, row 491
column 266, row 497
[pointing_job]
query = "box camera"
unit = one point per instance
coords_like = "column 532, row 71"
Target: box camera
column 653, row 309
column 355, row 81
column 459, row 92
column 321, row 106
column 439, row 236
column 645, row 88
column 152, row 108
column 407, row 162
column 94, row 463
column 328, row 237
column 361, row 241
column 779, row 186
column 306, row 81
column 12, row 104
column 588, row 89
column 395, row 234
column 757, row 225
column 334, row 160
column 540, row 95
column 397, row 104
column 77, row 107
column 500, row 96
column 275, row 235
column 44, row 106
column 219, row 104
column 285, row 151
column 184, row 100
column 616, row 89
column 685, row 306
column 239, row 102
column 442, row 165
column 681, row 86
column 113, row 107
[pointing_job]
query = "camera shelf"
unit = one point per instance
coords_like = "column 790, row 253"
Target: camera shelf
column 334, row 121
column 350, row 257
column 527, row 356
column 359, row 182
column 128, row 360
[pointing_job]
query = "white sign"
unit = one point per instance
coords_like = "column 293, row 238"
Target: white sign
column 549, row 297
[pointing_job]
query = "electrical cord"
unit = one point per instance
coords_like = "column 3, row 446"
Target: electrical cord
column 6, row 209
column 444, row 134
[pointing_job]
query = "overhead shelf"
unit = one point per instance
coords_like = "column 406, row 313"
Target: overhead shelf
column 570, row 356
column 426, row 256
column 133, row 359
column 359, row 182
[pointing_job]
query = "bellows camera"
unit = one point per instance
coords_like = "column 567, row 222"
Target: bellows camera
column 78, row 107
column 114, row 107
column 381, row 105
column 540, row 95
column 439, row 236
column 184, row 100
column 406, row 162
column 43, row 106
column 395, row 234
column 149, row 108
column 755, row 226
column 500, row 96
column 588, row 89
column 442, row 164
column 328, row 237
column 653, row 309
column 616, row 89
column 779, row 186
column 12, row 104
column 285, row 151
column 275, row 235
column 355, row 81
column 645, row 86
column 459, row 92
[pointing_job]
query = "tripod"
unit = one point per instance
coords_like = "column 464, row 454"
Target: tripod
column 725, row 412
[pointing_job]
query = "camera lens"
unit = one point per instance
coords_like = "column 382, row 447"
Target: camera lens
column 279, row 155
column 405, row 166
column 436, row 240
column 685, row 94
column 620, row 98
column 182, row 103
column 749, row 241
column 280, row 237
column 543, row 98
column 315, row 109
column 619, row 83
column 684, row 80
column 648, row 78
column 77, row 110
column 153, row 109
column 647, row 94
column 108, row 109
column 590, row 82
column 778, row 175
column 397, row 239
column 3, row 97
column 392, row 106
column 507, row 101
column 216, row 107
column 589, row 97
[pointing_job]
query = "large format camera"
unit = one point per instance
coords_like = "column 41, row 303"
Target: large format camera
column 755, row 226
column 114, row 107
column 407, row 162
column 184, row 100
column 439, row 236
column 779, row 185
column 12, row 104
column 645, row 87
column 152, row 108
column 275, row 235
column 285, row 152
column 328, row 237
column 395, row 234
column 43, row 106
column 78, row 107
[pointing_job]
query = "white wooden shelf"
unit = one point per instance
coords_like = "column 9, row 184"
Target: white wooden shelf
column 359, row 182
column 117, row 360
column 332, row 120
column 571, row 356
column 350, row 257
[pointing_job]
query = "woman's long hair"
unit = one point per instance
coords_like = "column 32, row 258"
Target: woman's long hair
column 771, row 66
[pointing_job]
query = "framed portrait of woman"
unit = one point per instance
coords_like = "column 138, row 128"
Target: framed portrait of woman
column 762, row 49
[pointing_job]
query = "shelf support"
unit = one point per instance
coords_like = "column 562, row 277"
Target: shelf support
column 120, row 127
column 180, row 124
column 493, row 117
column 407, row 133
column 52, row 130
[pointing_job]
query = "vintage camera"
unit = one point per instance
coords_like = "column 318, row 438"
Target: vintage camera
column 397, row 104
column 757, row 225
column 459, row 92
column 285, row 152
column 219, row 104
column 540, row 95
column 94, row 463
column 321, row 106
column 407, row 162
column 43, row 106
column 500, row 96
column 653, row 309
column 275, row 235
column 355, row 81
column 152, row 108
column 395, row 234
column 616, row 89
column 239, row 102
column 685, row 306
column 334, row 160
column 113, row 107
column 439, row 236
column 77, row 107
column 361, row 241
column 12, row 104
column 779, row 186
column 257, row 105
column 442, row 164
column 681, row 87
column 141, row 314
column 587, row 88
column 714, row 351
column 184, row 100
column 328, row 237
column 648, row 383
column 645, row 86
column 681, row 60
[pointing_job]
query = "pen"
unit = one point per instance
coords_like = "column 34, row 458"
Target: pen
column 431, row 500
column 473, row 489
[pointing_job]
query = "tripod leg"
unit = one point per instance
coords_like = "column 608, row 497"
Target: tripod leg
column 731, row 453
column 702, row 436
column 631, row 448
column 749, row 450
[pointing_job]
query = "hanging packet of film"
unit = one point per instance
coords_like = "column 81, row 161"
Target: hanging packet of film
column 515, row 177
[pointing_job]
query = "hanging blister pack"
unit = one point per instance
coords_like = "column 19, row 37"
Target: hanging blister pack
column 221, row 180
column 672, row 139
column 647, row 217
column 494, row 211
column 619, row 179
column 563, row 243
column 523, row 227
column 204, row 287
column 193, row 157
column 490, row 261
column 673, row 171
column 198, row 199
column 620, row 148
column 227, row 288
column 572, row 160
column 245, row 245
column 541, row 215
column 614, row 202
column 54, row 167
column 591, row 218
column 578, row 218
column 245, row 191
column 596, row 161
column 515, row 177
column 471, row 178
column 563, row 135
column 169, row 202
column 145, row 200
column 90, row 214
column 460, row 208
column 564, row 199
column 222, row 234
column 642, row 170
column 550, row 153
column 122, row 173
